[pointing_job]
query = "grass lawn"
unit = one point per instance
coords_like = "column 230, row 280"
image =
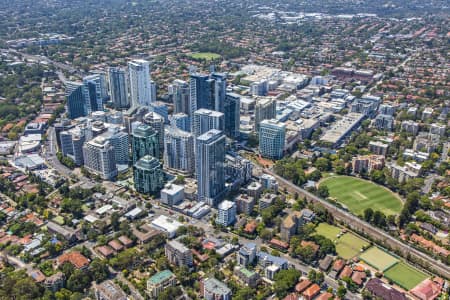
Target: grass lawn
column 378, row 258
column 59, row 220
column 405, row 276
column 347, row 246
column 328, row 231
column 358, row 194
column 205, row 55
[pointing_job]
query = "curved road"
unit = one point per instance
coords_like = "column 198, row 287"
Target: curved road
column 362, row 226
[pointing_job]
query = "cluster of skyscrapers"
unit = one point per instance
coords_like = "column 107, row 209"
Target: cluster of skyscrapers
column 191, row 141
column 127, row 87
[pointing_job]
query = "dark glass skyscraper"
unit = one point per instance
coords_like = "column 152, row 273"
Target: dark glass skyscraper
column 75, row 101
column 94, row 91
column 210, row 166
column 220, row 90
column 118, row 87
column 144, row 141
column 201, row 92
column 148, row 175
column 232, row 114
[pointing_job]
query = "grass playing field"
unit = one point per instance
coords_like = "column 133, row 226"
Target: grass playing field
column 328, row 231
column 378, row 259
column 204, row 55
column 358, row 194
column 347, row 246
column 350, row 245
column 405, row 276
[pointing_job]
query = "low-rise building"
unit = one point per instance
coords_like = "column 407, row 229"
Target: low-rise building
column 108, row 290
column 293, row 222
column 166, row 225
column 404, row 173
column 55, row 281
column 311, row 292
column 266, row 201
column 244, row 204
column 379, row 148
column 265, row 260
column 384, row 291
column 67, row 233
column 178, row 254
column 159, row 282
column 226, row 214
column 248, row 277
column 213, row 289
column 254, row 189
column 172, row 194
column 78, row 260
column 367, row 163
column 246, row 254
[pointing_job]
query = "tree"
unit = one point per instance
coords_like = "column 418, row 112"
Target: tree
column 99, row 270
column 63, row 294
column 323, row 164
column 73, row 206
column 266, row 234
column 67, row 268
column 244, row 294
column 379, row 219
column 368, row 214
column 115, row 221
column 179, row 180
column 285, row 281
column 322, row 191
column 170, row 293
column 307, row 253
column 78, row 281
column 341, row 291
column 316, row 277
column 378, row 176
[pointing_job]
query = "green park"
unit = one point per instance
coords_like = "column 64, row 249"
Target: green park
column 357, row 194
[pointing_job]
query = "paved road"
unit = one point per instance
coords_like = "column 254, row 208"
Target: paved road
column 362, row 226
column 17, row 262
column 58, row 65
column 402, row 64
column 445, row 150
column 428, row 183
column 209, row 231
column 50, row 150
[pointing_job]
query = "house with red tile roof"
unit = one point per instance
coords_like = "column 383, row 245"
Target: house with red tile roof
column 302, row 285
column 359, row 277
column 338, row 265
column 311, row 292
column 346, row 272
column 126, row 241
column 325, row 296
column 279, row 244
column 291, row 296
column 426, row 290
column 105, row 251
column 115, row 245
column 77, row 259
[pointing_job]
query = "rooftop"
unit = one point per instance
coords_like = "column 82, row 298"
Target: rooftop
column 160, row 277
column 226, row 205
column 216, row 286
